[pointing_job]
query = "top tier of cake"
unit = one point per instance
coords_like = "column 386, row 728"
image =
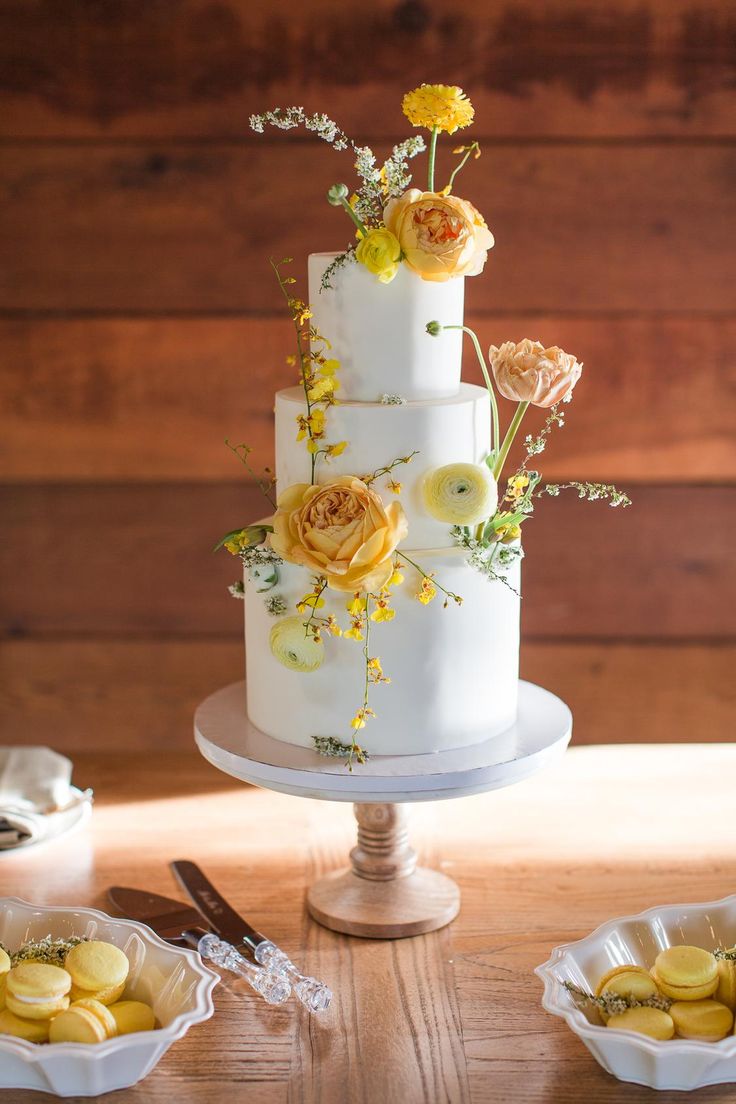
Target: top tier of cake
column 378, row 331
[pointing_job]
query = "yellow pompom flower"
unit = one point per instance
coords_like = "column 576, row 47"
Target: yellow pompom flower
column 380, row 252
column 441, row 106
column 460, row 494
column 292, row 647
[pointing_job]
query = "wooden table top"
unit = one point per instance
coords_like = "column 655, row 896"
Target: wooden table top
column 452, row 1016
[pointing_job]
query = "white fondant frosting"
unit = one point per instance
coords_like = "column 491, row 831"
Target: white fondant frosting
column 378, row 331
column 454, row 671
column 442, row 431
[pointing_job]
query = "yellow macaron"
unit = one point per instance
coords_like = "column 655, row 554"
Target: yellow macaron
column 628, row 981
column 77, row 1025
column 97, row 970
column 5, row 962
column 686, row 973
column 706, row 1020
column 645, row 1021
column 33, row 1031
column 104, row 996
column 101, row 1012
column 726, row 991
column 37, row 991
column 131, row 1015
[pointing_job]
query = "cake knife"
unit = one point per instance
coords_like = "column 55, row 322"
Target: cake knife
column 180, row 923
column 230, row 925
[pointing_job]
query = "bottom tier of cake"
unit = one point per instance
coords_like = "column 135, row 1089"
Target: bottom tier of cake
column 454, row 671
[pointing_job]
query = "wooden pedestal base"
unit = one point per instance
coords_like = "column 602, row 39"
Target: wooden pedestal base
column 384, row 895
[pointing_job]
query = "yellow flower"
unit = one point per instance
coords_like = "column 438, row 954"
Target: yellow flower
column 312, row 600
column 292, row 647
column 248, row 537
column 380, row 252
column 356, row 605
column 394, row 486
column 527, row 372
column 444, row 106
column 339, row 530
column 332, row 626
column 396, row 578
column 440, row 236
column 336, row 450
column 322, row 388
column 516, row 486
column 460, row 494
column 357, row 721
column 354, row 633
column 427, row 593
column 329, row 367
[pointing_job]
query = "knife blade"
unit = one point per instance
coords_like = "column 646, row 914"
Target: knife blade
column 230, row 925
column 179, row 923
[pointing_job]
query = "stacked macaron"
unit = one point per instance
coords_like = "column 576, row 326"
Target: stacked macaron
column 76, row 1003
column 688, row 992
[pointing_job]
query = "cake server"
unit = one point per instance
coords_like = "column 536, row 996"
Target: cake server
column 180, row 923
column 230, row 925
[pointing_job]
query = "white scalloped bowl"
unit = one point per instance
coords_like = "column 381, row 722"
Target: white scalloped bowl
column 677, row 1064
column 171, row 979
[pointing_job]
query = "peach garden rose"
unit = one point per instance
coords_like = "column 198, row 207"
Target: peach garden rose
column 340, row 530
column 440, row 236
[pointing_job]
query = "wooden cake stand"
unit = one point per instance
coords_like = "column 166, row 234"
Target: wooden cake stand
column 384, row 894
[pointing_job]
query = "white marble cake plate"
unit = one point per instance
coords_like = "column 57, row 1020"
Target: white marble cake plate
column 384, row 895
column 228, row 740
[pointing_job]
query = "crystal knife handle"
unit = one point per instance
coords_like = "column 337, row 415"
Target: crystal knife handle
column 313, row 994
column 274, row 988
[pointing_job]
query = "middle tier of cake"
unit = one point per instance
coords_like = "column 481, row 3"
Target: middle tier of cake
column 439, row 432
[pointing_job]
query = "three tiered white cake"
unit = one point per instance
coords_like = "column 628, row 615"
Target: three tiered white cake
column 453, row 667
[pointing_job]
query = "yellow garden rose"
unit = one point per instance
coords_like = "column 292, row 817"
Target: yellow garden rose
column 380, row 252
column 440, row 236
column 527, row 372
column 340, row 530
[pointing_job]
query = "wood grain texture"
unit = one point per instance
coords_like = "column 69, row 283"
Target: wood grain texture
column 79, row 694
column 657, row 67
column 453, row 1016
column 167, row 227
column 135, row 559
column 153, row 399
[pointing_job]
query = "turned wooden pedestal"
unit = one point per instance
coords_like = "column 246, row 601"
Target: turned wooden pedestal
column 384, row 895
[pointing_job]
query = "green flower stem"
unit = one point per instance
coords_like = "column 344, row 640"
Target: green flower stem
column 302, row 355
column 448, row 593
column 470, row 150
column 509, row 439
column 354, row 746
column 354, row 217
column 486, row 376
column 430, row 164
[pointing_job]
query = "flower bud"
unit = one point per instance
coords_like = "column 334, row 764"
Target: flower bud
column 337, row 194
column 434, row 328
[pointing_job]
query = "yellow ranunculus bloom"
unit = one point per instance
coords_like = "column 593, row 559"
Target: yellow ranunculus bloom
column 460, row 494
column 441, row 106
column 291, row 645
column 380, row 252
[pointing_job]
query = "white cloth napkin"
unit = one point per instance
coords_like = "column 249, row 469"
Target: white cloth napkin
column 35, row 783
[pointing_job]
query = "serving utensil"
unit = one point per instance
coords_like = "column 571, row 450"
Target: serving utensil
column 181, row 924
column 231, row 926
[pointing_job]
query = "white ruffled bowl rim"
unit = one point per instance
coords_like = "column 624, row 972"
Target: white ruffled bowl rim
column 559, row 1002
column 33, row 1053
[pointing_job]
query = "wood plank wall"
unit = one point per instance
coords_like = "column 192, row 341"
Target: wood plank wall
column 139, row 327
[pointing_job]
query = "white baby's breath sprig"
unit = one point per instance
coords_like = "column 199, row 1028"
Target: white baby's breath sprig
column 591, row 492
column 613, row 1004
